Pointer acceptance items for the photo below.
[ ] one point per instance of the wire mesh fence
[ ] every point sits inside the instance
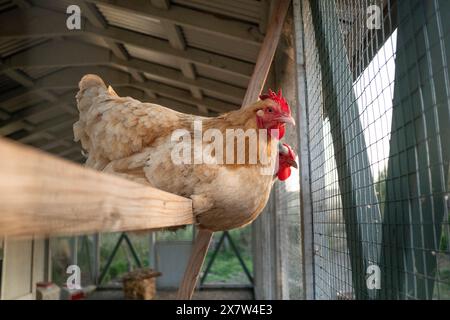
(378, 114)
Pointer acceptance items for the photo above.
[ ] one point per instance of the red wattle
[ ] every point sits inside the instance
(284, 173)
(281, 131)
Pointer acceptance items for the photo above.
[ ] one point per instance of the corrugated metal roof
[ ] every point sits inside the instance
(39, 72)
(246, 10)
(132, 21)
(224, 46)
(194, 37)
(166, 81)
(59, 5)
(6, 4)
(90, 39)
(45, 114)
(221, 76)
(12, 46)
(7, 83)
(152, 56)
(21, 102)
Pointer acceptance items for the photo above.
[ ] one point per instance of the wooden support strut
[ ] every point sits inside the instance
(254, 89)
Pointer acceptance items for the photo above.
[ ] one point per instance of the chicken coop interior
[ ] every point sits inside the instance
(364, 217)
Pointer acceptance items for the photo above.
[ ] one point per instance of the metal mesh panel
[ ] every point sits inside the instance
(286, 195)
(289, 231)
(378, 105)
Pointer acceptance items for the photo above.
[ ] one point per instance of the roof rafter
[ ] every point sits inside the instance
(46, 23)
(68, 54)
(96, 19)
(68, 79)
(177, 41)
(37, 109)
(205, 22)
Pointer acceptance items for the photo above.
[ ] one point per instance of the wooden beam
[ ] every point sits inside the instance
(194, 266)
(50, 24)
(45, 196)
(23, 4)
(68, 54)
(254, 89)
(68, 79)
(140, 94)
(177, 41)
(96, 19)
(240, 32)
(39, 108)
(19, 77)
(28, 82)
(267, 52)
(264, 15)
(306, 202)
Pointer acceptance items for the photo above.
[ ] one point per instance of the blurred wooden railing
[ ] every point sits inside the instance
(41, 195)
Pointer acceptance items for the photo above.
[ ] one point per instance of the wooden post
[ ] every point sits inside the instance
(307, 234)
(195, 264)
(254, 89)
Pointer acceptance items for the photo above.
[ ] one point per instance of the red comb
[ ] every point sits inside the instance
(277, 98)
(291, 152)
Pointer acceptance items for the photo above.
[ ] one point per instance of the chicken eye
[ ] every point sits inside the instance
(269, 110)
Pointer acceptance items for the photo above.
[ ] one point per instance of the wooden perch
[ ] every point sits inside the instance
(195, 264)
(254, 89)
(41, 195)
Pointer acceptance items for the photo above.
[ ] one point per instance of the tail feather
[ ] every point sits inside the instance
(91, 87)
(91, 80)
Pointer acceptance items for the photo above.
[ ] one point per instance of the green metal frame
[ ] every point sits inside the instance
(123, 237)
(226, 235)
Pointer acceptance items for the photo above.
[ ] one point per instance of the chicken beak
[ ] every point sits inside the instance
(292, 163)
(286, 119)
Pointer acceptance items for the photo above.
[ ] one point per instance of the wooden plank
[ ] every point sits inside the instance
(266, 53)
(307, 234)
(17, 269)
(254, 89)
(195, 264)
(46, 196)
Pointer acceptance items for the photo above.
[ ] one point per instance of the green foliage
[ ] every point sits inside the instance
(380, 189)
(226, 267)
(184, 234)
(444, 241)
